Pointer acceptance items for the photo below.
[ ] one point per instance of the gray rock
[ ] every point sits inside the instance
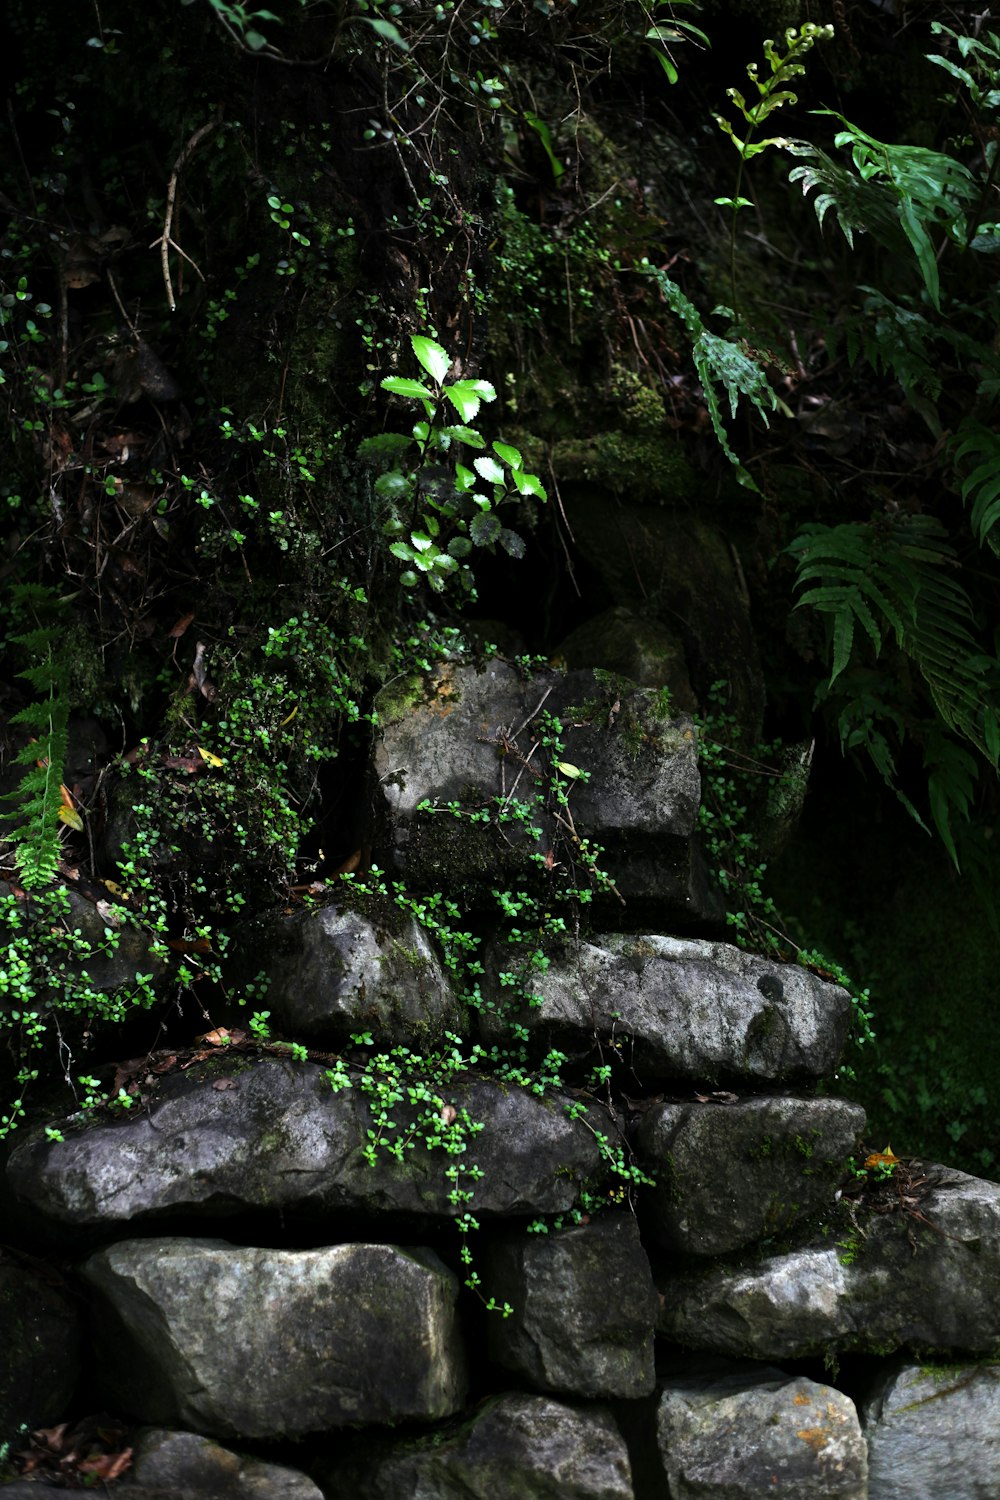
(681, 1008)
(728, 1175)
(895, 1281)
(744, 1433)
(39, 1346)
(584, 1308)
(934, 1431)
(333, 972)
(238, 1135)
(515, 1448)
(189, 1467)
(234, 1341)
(472, 738)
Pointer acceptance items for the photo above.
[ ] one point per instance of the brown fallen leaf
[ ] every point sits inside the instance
(182, 624)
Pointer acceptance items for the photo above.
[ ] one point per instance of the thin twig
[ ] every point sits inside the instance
(165, 242)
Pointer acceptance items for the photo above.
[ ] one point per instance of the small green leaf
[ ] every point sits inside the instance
(388, 30)
(431, 355)
(565, 769)
(460, 546)
(421, 541)
(529, 484)
(467, 435)
(392, 486)
(509, 455)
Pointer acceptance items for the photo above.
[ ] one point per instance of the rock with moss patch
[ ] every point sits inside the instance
(515, 1447)
(731, 1173)
(923, 1275)
(467, 789)
(933, 1430)
(237, 1135)
(644, 650)
(739, 1432)
(232, 1341)
(584, 1308)
(332, 972)
(669, 1007)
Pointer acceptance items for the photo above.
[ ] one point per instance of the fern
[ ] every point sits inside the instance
(719, 361)
(893, 188)
(36, 822)
(896, 577)
(981, 486)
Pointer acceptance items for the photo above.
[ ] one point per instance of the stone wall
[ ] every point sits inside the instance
(272, 1303)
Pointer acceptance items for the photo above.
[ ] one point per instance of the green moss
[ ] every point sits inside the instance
(645, 466)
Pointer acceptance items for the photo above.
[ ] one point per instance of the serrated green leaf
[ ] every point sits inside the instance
(431, 355)
(487, 468)
(399, 385)
(509, 455)
(467, 435)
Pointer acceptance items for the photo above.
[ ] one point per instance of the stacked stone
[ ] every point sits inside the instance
(646, 1355)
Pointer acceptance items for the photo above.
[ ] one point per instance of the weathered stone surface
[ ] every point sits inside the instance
(743, 1433)
(235, 1341)
(462, 736)
(39, 1347)
(894, 1283)
(646, 651)
(934, 1431)
(190, 1467)
(333, 972)
(729, 1174)
(688, 1009)
(269, 1134)
(584, 1308)
(515, 1448)
(690, 573)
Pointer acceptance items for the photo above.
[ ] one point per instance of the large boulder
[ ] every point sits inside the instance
(514, 1448)
(332, 972)
(236, 1135)
(924, 1275)
(729, 1174)
(584, 1308)
(461, 745)
(39, 1347)
(934, 1431)
(743, 1433)
(678, 1008)
(234, 1341)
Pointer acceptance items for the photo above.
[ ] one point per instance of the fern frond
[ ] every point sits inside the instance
(721, 362)
(980, 488)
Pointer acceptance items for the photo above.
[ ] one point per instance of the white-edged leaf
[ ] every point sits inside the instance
(400, 386)
(487, 468)
(433, 358)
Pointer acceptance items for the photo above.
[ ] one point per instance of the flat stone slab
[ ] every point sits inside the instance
(234, 1341)
(728, 1175)
(333, 972)
(238, 1134)
(584, 1308)
(515, 1447)
(744, 1433)
(934, 1430)
(470, 740)
(678, 1008)
(894, 1282)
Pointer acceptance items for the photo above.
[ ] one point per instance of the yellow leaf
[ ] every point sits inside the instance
(288, 719)
(573, 772)
(72, 817)
(209, 758)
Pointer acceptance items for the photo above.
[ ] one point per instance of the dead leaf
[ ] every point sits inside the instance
(220, 1037)
(191, 945)
(199, 674)
(180, 627)
(225, 1083)
(449, 1114)
(210, 759)
(350, 864)
(106, 1466)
